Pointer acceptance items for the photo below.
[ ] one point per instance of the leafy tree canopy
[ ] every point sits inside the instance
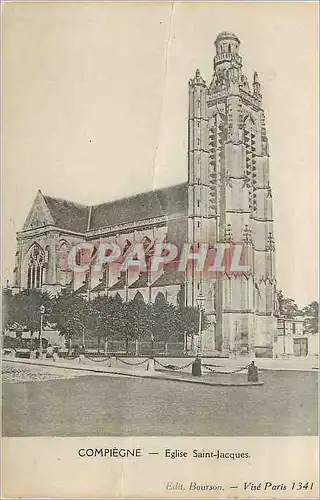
(311, 314)
(102, 317)
(287, 306)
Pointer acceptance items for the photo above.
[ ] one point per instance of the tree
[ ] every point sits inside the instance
(167, 322)
(287, 306)
(102, 317)
(72, 314)
(136, 322)
(311, 314)
(9, 314)
(24, 309)
(189, 321)
(105, 317)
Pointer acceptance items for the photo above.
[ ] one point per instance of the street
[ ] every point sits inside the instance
(105, 405)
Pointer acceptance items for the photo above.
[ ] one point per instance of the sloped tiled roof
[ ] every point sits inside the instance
(170, 200)
(170, 277)
(141, 282)
(67, 214)
(119, 285)
(99, 288)
(83, 289)
(75, 217)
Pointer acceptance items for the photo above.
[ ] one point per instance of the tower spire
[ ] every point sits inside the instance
(256, 86)
(229, 194)
(197, 80)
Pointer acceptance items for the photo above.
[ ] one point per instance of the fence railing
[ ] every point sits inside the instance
(143, 347)
(136, 348)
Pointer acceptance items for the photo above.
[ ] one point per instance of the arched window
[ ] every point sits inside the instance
(250, 125)
(83, 254)
(63, 256)
(229, 48)
(228, 293)
(210, 300)
(36, 264)
(243, 294)
(139, 297)
(63, 262)
(160, 298)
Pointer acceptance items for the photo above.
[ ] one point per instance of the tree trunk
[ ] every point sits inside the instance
(98, 343)
(106, 346)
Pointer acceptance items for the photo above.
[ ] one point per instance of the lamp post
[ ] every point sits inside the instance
(185, 343)
(42, 311)
(234, 342)
(200, 302)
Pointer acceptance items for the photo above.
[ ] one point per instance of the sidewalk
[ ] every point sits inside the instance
(297, 363)
(130, 372)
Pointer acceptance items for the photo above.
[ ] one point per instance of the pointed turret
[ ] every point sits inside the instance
(197, 80)
(256, 86)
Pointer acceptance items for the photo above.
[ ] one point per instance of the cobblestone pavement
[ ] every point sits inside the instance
(29, 373)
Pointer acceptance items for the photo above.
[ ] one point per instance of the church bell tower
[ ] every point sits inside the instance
(230, 200)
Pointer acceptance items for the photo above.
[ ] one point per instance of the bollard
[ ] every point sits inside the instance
(253, 373)
(151, 365)
(196, 367)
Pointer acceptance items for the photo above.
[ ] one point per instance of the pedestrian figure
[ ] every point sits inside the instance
(82, 351)
(252, 372)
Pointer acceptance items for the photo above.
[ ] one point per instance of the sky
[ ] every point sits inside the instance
(95, 106)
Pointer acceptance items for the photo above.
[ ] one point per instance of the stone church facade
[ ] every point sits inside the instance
(227, 198)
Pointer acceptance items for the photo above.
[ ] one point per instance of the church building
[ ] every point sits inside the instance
(227, 198)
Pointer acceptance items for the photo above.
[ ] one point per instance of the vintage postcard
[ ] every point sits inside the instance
(159, 258)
